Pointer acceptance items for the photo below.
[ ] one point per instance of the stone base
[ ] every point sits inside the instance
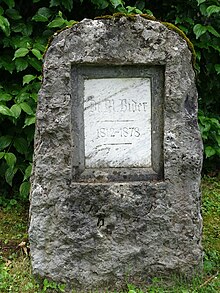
(104, 235)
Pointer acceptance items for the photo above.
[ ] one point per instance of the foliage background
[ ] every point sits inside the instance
(26, 26)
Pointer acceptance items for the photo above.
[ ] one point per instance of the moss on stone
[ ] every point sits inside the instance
(149, 17)
(116, 16)
(183, 35)
(104, 17)
(130, 16)
(119, 15)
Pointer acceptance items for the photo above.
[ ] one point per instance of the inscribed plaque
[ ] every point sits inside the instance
(117, 121)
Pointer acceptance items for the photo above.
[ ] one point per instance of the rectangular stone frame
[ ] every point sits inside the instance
(156, 74)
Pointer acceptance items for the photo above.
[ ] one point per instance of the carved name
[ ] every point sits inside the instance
(111, 105)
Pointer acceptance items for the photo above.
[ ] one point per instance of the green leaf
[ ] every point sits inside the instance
(26, 108)
(186, 19)
(202, 9)
(37, 54)
(199, 30)
(215, 122)
(29, 120)
(29, 133)
(22, 96)
(54, 3)
(6, 43)
(2, 154)
(71, 22)
(21, 145)
(39, 47)
(198, 55)
(25, 189)
(9, 175)
(121, 9)
(42, 14)
(13, 14)
(213, 9)
(21, 52)
(5, 25)
(10, 159)
(10, 3)
(1, 10)
(40, 18)
(21, 64)
(15, 110)
(5, 141)
(28, 78)
(28, 171)
(209, 151)
(21, 41)
(217, 68)
(101, 4)
(68, 4)
(213, 31)
(205, 121)
(116, 3)
(7, 63)
(18, 27)
(149, 12)
(200, 1)
(57, 22)
(24, 28)
(217, 138)
(131, 9)
(5, 97)
(215, 47)
(35, 63)
(28, 29)
(4, 110)
(218, 151)
(34, 96)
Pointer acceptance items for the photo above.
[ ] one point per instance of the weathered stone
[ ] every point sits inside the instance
(94, 224)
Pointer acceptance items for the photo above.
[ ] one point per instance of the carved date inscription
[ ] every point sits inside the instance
(117, 122)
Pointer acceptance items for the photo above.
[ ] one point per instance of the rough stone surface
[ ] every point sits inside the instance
(103, 234)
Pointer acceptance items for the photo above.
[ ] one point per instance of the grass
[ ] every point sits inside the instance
(15, 269)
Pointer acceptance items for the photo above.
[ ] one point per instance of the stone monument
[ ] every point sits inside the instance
(115, 187)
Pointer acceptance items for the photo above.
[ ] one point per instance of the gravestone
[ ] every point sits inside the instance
(115, 193)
